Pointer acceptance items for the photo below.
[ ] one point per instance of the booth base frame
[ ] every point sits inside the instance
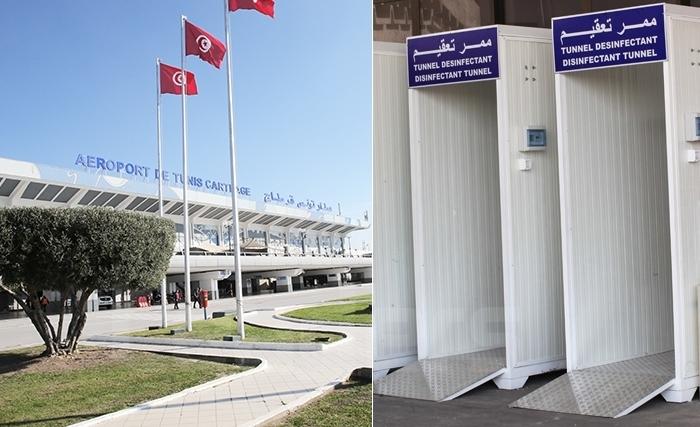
(443, 378)
(516, 377)
(610, 390)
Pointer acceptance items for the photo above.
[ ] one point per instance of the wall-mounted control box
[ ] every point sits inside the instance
(692, 127)
(534, 139)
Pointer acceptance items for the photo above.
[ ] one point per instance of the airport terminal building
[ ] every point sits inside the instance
(286, 244)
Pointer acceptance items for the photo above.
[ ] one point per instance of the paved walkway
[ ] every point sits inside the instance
(289, 379)
(20, 332)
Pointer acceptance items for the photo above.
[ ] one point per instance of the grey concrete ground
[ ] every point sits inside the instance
(487, 406)
(289, 379)
(20, 332)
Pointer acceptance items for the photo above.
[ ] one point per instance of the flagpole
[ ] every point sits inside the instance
(185, 184)
(234, 183)
(163, 284)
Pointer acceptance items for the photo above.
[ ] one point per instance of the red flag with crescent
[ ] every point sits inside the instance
(171, 81)
(200, 43)
(266, 7)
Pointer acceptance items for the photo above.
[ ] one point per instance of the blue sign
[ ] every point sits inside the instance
(121, 168)
(608, 39)
(134, 169)
(453, 57)
(307, 204)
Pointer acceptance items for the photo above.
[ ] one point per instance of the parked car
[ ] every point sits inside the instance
(106, 301)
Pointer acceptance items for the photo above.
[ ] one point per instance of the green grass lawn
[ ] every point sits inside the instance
(357, 298)
(356, 312)
(215, 329)
(350, 404)
(38, 391)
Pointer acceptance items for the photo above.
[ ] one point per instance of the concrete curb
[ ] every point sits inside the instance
(288, 409)
(315, 304)
(339, 342)
(165, 399)
(343, 340)
(263, 325)
(320, 322)
(234, 345)
(297, 404)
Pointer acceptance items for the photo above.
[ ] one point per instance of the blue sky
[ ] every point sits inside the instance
(79, 77)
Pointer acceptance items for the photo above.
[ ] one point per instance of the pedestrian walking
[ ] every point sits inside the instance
(44, 303)
(176, 297)
(195, 299)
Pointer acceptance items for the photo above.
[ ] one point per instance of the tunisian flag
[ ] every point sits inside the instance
(266, 7)
(200, 43)
(171, 80)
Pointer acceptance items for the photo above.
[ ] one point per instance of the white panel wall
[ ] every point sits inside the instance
(684, 97)
(616, 216)
(394, 324)
(456, 217)
(530, 206)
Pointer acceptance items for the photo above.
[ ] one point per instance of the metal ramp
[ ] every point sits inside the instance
(611, 390)
(443, 378)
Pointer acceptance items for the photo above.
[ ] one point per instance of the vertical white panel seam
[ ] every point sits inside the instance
(418, 237)
(565, 203)
(674, 210)
(506, 205)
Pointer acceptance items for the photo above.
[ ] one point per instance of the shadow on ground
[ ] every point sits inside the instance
(487, 406)
(14, 362)
(367, 310)
(69, 419)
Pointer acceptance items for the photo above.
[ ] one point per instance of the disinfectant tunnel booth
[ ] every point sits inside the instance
(628, 107)
(485, 205)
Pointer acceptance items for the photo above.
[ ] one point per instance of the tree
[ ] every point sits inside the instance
(77, 252)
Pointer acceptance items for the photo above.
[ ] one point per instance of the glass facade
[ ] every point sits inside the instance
(326, 245)
(337, 245)
(206, 234)
(311, 245)
(228, 239)
(295, 243)
(180, 237)
(278, 241)
(256, 238)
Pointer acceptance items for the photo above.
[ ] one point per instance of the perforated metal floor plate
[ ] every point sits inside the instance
(611, 390)
(443, 378)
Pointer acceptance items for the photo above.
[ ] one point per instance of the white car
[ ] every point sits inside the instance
(106, 301)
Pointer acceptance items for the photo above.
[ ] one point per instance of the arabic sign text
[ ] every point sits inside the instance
(612, 38)
(454, 57)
